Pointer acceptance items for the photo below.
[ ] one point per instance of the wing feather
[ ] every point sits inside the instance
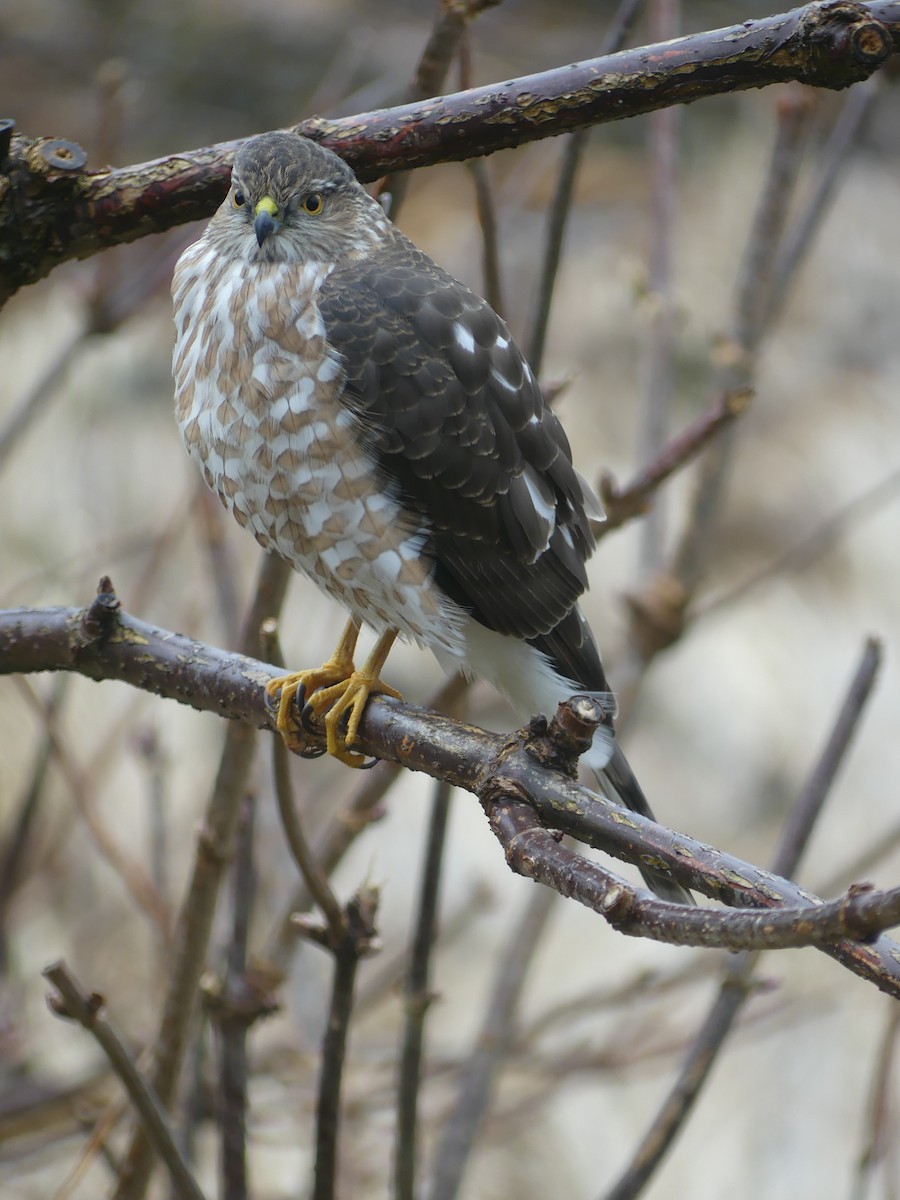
(456, 422)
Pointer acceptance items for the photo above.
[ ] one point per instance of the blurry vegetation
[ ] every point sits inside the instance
(102, 786)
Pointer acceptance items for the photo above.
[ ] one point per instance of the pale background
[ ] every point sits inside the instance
(731, 719)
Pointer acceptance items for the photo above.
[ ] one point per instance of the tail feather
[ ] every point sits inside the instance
(536, 676)
(617, 777)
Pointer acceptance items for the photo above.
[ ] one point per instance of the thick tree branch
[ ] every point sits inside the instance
(53, 209)
(528, 767)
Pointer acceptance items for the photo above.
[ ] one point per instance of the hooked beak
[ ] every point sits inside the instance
(266, 221)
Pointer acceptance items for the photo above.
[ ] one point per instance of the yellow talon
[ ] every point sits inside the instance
(333, 690)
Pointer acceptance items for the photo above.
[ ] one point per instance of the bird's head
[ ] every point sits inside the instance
(292, 200)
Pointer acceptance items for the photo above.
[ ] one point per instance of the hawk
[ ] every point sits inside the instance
(370, 419)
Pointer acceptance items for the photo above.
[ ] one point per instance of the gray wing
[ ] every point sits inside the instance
(456, 422)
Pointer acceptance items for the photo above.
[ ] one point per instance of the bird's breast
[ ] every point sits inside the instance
(258, 401)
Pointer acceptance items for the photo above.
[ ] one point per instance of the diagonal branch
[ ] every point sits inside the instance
(70, 212)
(529, 766)
(71, 1001)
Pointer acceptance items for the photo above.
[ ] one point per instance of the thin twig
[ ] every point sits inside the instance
(811, 546)
(357, 940)
(884, 844)
(88, 1010)
(43, 391)
(15, 848)
(845, 139)
(561, 205)
(806, 810)
(664, 125)
(490, 242)
(345, 827)
(104, 310)
(658, 614)
(451, 21)
(128, 868)
(417, 998)
(880, 1115)
(490, 1048)
(385, 979)
(753, 289)
(198, 1106)
(627, 503)
(233, 1022)
(484, 198)
(646, 986)
(314, 877)
(737, 985)
(214, 847)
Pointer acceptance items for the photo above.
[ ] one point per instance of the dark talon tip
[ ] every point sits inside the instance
(312, 752)
(307, 715)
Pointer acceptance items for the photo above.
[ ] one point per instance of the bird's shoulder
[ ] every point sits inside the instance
(438, 379)
(457, 423)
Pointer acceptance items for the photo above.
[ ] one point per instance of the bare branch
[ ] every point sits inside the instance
(491, 1047)
(88, 1010)
(102, 642)
(535, 853)
(737, 983)
(417, 997)
(805, 812)
(624, 504)
(313, 876)
(72, 213)
(358, 940)
(656, 414)
(214, 847)
(879, 1118)
(558, 217)
(451, 22)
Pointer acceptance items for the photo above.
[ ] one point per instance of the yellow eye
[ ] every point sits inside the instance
(238, 199)
(313, 203)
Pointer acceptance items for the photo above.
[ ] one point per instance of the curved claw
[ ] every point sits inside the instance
(348, 699)
(333, 692)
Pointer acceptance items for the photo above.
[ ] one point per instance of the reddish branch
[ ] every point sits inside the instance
(52, 208)
(526, 772)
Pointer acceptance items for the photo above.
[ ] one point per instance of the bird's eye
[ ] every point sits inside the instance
(313, 203)
(238, 199)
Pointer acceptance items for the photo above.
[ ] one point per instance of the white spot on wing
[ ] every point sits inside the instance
(541, 496)
(463, 338)
(502, 380)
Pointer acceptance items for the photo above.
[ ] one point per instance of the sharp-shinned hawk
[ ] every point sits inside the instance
(370, 419)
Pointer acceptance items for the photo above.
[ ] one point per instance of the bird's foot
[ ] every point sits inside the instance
(282, 691)
(347, 698)
(284, 688)
(333, 691)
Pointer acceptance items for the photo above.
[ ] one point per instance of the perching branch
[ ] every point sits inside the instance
(53, 209)
(529, 767)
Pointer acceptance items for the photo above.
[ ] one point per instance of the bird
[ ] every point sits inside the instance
(370, 419)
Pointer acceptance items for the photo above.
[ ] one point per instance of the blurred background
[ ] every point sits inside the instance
(803, 565)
